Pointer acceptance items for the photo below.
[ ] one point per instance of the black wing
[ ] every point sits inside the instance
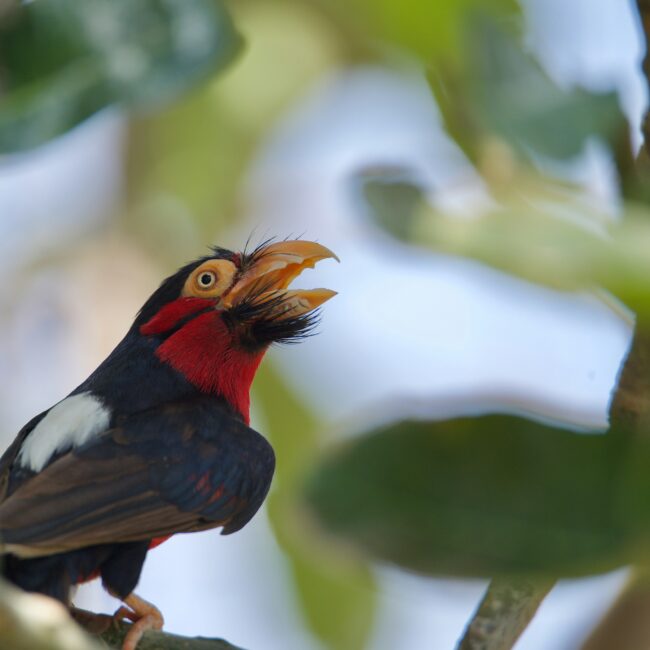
(9, 456)
(186, 466)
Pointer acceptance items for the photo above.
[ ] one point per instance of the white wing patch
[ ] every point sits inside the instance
(68, 424)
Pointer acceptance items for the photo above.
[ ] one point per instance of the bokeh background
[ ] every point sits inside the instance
(119, 168)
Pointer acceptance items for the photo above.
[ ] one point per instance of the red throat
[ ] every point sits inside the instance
(203, 350)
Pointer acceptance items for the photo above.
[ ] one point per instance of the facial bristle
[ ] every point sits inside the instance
(259, 251)
(264, 315)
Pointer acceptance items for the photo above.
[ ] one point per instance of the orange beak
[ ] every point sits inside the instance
(273, 269)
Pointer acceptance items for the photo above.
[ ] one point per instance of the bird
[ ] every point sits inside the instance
(157, 440)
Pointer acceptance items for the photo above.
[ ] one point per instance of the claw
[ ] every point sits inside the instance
(124, 613)
(144, 615)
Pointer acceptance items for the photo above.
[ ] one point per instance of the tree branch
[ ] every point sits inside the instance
(626, 626)
(113, 634)
(504, 613)
(630, 407)
(631, 402)
(644, 14)
(36, 622)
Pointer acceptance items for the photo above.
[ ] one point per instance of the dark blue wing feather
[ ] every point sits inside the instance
(187, 466)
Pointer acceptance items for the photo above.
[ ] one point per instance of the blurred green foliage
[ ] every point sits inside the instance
(434, 32)
(557, 252)
(62, 61)
(394, 198)
(502, 92)
(331, 587)
(492, 495)
(186, 162)
(502, 495)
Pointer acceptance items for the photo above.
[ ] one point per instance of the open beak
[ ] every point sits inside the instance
(273, 268)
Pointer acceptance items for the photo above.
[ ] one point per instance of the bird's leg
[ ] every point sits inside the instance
(144, 615)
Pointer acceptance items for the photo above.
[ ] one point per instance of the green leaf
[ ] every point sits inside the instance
(63, 60)
(528, 235)
(515, 99)
(501, 91)
(493, 495)
(394, 200)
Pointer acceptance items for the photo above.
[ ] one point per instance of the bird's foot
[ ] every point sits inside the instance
(144, 615)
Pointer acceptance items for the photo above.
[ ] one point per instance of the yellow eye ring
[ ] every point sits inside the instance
(210, 280)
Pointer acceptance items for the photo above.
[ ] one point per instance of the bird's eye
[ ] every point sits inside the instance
(210, 280)
(207, 279)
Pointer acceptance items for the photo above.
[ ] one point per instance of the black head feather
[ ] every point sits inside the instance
(258, 319)
(170, 288)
